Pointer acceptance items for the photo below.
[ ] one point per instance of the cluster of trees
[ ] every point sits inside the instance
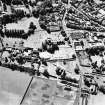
(66, 38)
(20, 33)
(49, 46)
(65, 1)
(62, 73)
(16, 34)
(31, 71)
(15, 67)
(45, 7)
(8, 2)
(95, 50)
(10, 18)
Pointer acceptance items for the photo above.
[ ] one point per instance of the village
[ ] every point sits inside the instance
(52, 52)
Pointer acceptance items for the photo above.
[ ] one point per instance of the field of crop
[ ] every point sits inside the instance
(47, 92)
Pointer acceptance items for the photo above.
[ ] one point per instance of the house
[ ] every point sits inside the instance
(18, 5)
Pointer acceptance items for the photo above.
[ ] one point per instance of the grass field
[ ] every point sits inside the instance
(12, 86)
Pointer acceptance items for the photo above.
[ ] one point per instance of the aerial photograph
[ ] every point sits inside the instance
(52, 52)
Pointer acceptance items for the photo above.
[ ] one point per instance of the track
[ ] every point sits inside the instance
(26, 90)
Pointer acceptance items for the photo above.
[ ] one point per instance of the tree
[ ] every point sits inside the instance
(90, 2)
(74, 56)
(65, 1)
(6, 59)
(0, 63)
(66, 38)
(82, 43)
(86, 81)
(20, 60)
(77, 70)
(35, 13)
(63, 33)
(42, 11)
(63, 75)
(48, 30)
(44, 62)
(46, 73)
(102, 89)
(8, 2)
(58, 71)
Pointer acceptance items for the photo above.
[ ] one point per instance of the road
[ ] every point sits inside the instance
(77, 99)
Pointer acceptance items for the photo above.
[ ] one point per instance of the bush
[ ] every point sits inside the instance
(48, 31)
